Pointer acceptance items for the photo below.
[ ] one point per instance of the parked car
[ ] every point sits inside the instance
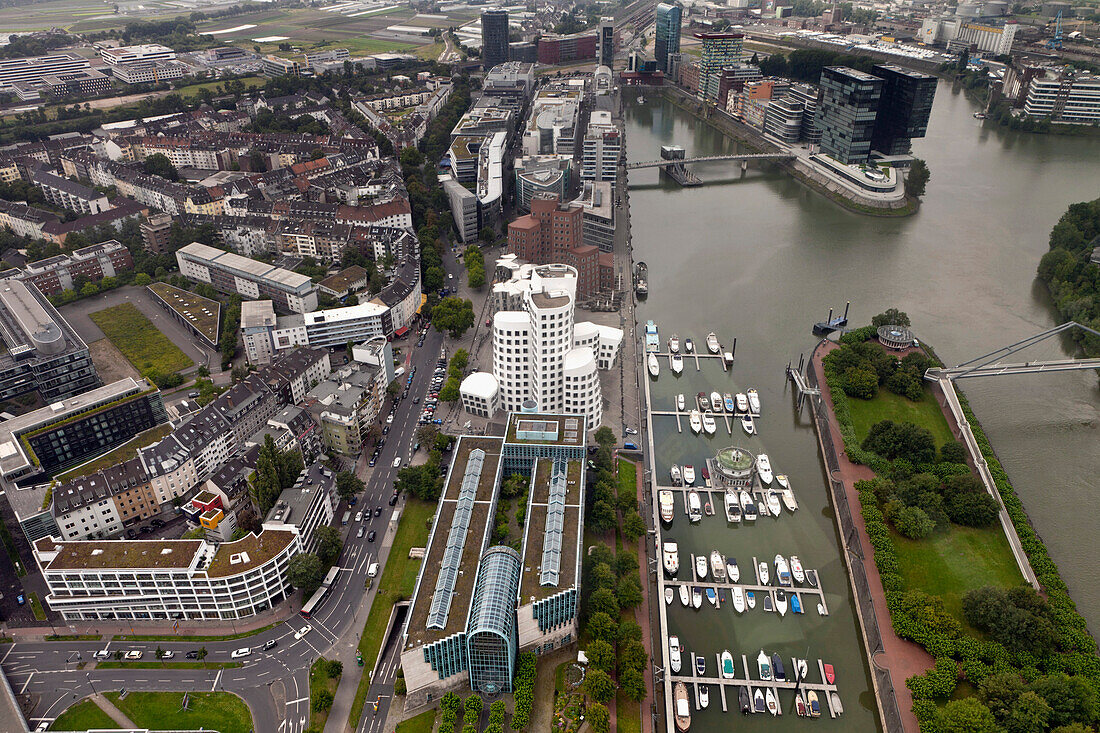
(244, 651)
(169, 654)
(393, 499)
(21, 599)
(385, 430)
(193, 654)
(102, 654)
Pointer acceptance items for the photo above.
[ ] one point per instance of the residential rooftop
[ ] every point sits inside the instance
(202, 313)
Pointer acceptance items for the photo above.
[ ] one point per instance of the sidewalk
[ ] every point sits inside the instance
(115, 714)
(642, 615)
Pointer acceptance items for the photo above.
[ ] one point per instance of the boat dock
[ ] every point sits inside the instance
(822, 687)
(757, 492)
(758, 587)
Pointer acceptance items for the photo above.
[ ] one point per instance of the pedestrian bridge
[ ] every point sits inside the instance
(709, 159)
(989, 365)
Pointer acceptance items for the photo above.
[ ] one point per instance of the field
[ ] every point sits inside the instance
(420, 724)
(318, 681)
(221, 711)
(889, 406)
(82, 716)
(192, 91)
(139, 340)
(124, 452)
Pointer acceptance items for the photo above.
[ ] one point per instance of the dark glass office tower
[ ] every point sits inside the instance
(494, 38)
(846, 113)
(903, 109)
(667, 38)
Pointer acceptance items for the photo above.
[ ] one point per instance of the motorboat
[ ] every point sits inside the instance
(754, 401)
(748, 425)
(778, 671)
(671, 556)
(704, 697)
(675, 474)
(800, 668)
(781, 602)
(764, 468)
(696, 598)
(680, 402)
(763, 664)
(782, 571)
(782, 480)
(787, 495)
(704, 402)
(773, 503)
(689, 346)
(705, 473)
(800, 706)
(695, 419)
(830, 675)
(796, 603)
(773, 705)
(763, 568)
(685, 596)
(758, 704)
(743, 700)
(838, 706)
(700, 567)
(762, 505)
(689, 475)
(796, 569)
(814, 705)
(669, 594)
(733, 508)
(674, 344)
(695, 506)
(652, 339)
(811, 578)
(750, 599)
(708, 423)
(769, 603)
(712, 597)
(712, 343)
(748, 507)
(738, 599)
(717, 566)
(667, 505)
(653, 365)
(708, 509)
(677, 363)
(727, 400)
(683, 708)
(701, 665)
(727, 665)
(716, 401)
(742, 402)
(674, 653)
(732, 571)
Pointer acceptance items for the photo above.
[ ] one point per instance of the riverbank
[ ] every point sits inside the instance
(799, 169)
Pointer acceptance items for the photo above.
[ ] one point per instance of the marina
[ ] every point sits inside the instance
(799, 688)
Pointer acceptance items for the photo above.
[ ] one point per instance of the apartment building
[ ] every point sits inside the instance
(58, 273)
(69, 194)
(554, 232)
(232, 273)
(307, 505)
(602, 148)
(257, 325)
(347, 404)
(136, 54)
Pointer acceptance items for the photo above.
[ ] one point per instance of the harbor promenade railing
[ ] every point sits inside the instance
(884, 686)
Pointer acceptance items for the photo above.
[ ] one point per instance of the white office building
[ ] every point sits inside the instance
(144, 53)
(539, 354)
(602, 148)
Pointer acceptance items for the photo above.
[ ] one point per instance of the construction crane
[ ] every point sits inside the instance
(1056, 40)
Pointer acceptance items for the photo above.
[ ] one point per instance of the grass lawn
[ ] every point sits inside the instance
(124, 452)
(220, 711)
(420, 724)
(251, 82)
(628, 714)
(82, 716)
(951, 563)
(398, 581)
(431, 51)
(889, 406)
(319, 681)
(628, 478)
(139, 340)
(36, 606)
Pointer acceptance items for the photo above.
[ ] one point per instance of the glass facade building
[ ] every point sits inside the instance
(846, 113)
(494, 38)
(903, 110)
(667, 37)
(491, 636)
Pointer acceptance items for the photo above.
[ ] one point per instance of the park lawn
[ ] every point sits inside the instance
(889, 406)
(250, 82)
(397, 582)
(422, 723)
(318, 681)
(948, 564)
(84, 716)
(124, 452)
(139, 340)
(628, 478)
(628, 714)
(220, 711)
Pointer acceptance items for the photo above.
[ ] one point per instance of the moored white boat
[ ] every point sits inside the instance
(738, 599)
(674, 344)
(669, 594)
(683, 708)
(763, 664)
(689, 475)
(773, 503)
(696, 598)
(715, 401)
(675, 475)
(695, 507)
(695, 419)
(733, 508)
(782, 480)
(742, 402)
(727, 665)
(712, 343)
(712, 597)
(717, 566)
(653, 365)
(704, 402)
(789, 501)
(750, 599)
(796, 569)
(800, 706)
(781, 602)
(758, 704)
(677, 363)
(685, 596)
(754, 401)
(708, 423)
(689, 346)
(727, 400)
(674, 658)
(764, 468)
(748, 507)
(704, 697)
(701, 567)
(732, 571)
(838, 706)
(782, 570)
(748, 425)
(680, 401)
(667, 505)
(670, 552)
(769, 698)
(763, 569)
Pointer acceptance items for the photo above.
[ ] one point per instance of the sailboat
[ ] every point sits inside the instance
(695, 419)
(653, 366)
(796, 569)
(733, 508)
(754, 401)
(763, 664)
(738, 599)
(677, 363)
(764, 468)
(709, 424)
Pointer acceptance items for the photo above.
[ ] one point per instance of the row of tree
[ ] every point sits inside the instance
(475, 266)
(1072, 279)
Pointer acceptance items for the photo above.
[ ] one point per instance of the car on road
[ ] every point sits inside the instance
(102, 654)
(416, 400)
(389, 419)
(378, 511)
(371, 536)
(133, 654)
(303, 631)
(193, 654)
(21, 599)
(397, 462)
(631, 431)
(270, 644)
(437, 421)
(385, 430)
(373, 460)
(169, 654)
(359, 516)
(360, 532)
(244, 651)
(393, 499)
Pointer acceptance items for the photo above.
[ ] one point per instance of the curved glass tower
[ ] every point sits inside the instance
(491, 637)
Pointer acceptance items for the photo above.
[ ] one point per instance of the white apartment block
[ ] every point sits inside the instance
(136, 54)
(167, 579)
(602, 149)
(1065, 98)
(148, 73)
(257, 323)
(540, 354)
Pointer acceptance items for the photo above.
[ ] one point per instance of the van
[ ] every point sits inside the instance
(399, 371)
(629, 446)
(397, 462)
(372, 570)
(347, 518)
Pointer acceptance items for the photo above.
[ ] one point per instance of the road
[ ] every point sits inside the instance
(274, 683)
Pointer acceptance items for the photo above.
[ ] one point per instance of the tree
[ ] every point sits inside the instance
(602, 518)
(598, 717)
(320, 700)
(304, 571)
(632, 682)
(1030, 714)
(158, 164)
(629, 591)
(913, 522)
(1071, 699)
(605, 437)
(604, 600)
(451, 390)
(601, 655)
(141, 280)
(329, 544)
(453, 315)
(629, 631)
(334, 668)
(274, 472)
(891, 317)
(598, 685)
(411, 157)
(967, 715)
(201, 655)
(953, 452)
(601, 626)
(1000, 692)
(487, 235)
(973, 510)
(348, 485)
(861, 383)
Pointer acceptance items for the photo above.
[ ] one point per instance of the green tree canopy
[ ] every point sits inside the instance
(304, 572)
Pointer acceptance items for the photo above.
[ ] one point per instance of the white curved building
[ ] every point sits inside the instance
(539, 353)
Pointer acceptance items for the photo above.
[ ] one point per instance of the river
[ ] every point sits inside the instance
(761, 257)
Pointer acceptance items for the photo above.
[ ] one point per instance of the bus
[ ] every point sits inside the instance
(319, 597)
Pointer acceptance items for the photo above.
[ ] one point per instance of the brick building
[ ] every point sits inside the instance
(554, 233)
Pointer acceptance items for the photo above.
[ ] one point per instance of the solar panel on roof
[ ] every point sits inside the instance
(555, 524)
(456, 541)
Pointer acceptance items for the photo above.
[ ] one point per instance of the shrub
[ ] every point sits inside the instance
(913, 522)
(953, 452)
(901, 440)
(861, 383)
(973, 510)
